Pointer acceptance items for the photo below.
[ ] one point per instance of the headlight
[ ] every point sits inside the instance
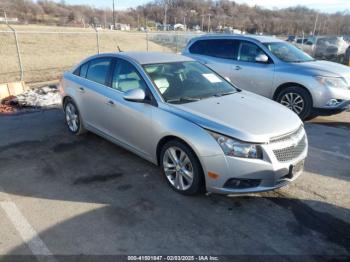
(338, 82)
(232, 147)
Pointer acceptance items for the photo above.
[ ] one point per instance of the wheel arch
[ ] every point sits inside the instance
(281, 87)
(166, 139)
(68, 97)
(65, 99)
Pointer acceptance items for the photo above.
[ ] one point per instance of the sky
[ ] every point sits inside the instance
(328, 6)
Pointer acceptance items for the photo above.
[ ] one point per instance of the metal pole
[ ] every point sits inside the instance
(97, 40)
(315, 24)
(113, 17)
(209, 23)
(17, 46)
(165, 18)
(138, 22)
(185, 25)
(202, 22)
(147, 40)
(176, 41)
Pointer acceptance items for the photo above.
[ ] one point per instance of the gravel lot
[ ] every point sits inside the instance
(67, 195)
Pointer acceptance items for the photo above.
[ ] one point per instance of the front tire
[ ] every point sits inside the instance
(181, 168)
(296, 99)
(72, 116)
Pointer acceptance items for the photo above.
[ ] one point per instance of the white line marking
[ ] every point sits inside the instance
(333, 153)
(27, 232)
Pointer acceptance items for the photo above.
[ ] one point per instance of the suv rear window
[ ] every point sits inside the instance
(221, 48)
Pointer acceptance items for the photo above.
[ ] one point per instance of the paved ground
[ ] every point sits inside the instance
(61, 194)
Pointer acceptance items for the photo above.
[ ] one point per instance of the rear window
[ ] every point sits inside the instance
(98, 70)
(83, 69)
(221, 48)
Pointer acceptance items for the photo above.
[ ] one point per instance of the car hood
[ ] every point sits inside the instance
(242, 115)
(326, 68)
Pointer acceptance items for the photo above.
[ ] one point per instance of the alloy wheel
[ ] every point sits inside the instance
(294, 102)
(72, 117)
(178, 168)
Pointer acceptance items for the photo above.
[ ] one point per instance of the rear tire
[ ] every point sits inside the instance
(73, 118)
(181, 168)
(297, 99)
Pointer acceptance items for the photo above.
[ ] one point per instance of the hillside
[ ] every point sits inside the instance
(192, 12)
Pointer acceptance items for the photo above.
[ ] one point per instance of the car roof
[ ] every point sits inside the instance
(259, 38)
(154, 57)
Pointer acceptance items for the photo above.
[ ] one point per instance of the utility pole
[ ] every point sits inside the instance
(185, 23)
(105, 18)
(113, 16)
(324, 26)
(202, 27)
(165, 14)
(138, 21)
(315, 25)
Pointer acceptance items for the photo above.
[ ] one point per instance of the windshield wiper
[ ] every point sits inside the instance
(302, 61)
(224, 93)
(183, 99)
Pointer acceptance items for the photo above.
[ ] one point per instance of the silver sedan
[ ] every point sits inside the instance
(204, 133)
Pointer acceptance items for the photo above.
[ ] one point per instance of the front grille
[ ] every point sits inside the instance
(291, 152)
(289, 146)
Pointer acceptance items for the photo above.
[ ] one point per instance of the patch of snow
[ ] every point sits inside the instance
(47, 96)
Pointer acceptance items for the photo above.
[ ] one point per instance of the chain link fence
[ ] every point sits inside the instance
(35, 56)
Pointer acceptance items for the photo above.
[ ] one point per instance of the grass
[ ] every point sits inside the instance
(47, 51)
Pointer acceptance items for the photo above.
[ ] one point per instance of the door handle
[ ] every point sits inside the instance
(238, 68)
(81, 89)
(110, 103)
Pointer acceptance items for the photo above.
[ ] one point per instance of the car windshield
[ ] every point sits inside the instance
(288, 53)
(184, 82)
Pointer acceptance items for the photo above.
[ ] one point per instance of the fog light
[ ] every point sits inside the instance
(333, 102)
(242, 183)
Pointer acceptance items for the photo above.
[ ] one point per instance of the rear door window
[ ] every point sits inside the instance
(98, 70)
(221, 48)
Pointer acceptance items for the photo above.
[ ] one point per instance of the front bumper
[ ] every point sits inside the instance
(327, 111)
(259, 174)
(321, 96)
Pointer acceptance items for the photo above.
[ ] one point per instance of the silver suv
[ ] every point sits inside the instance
(277, 70)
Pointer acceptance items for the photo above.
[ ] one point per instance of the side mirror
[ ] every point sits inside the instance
(135, 95)
(262, 58)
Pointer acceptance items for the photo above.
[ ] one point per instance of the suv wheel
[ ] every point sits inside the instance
(181, 168)
(296, 99)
